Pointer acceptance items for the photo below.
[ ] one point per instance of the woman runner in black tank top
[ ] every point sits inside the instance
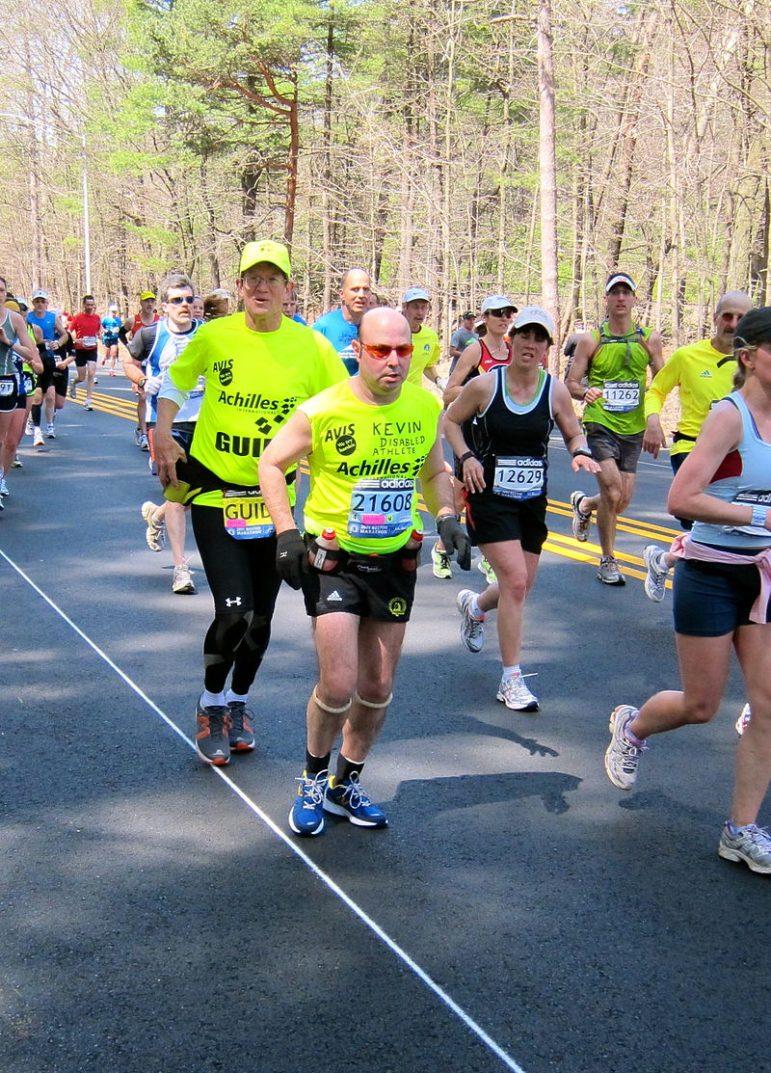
(510, 413)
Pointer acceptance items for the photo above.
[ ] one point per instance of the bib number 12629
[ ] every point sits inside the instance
(519, 477)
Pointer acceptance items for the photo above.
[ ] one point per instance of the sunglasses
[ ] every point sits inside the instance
(181, 299)
(507, 312)
(383, 351)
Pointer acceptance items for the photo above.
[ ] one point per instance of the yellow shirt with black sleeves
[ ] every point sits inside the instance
(704, 376)
(427, 352)
(363, 464)
(254, 383)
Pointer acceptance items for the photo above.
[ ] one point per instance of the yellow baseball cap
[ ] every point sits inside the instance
(145, 295)
(265, 250)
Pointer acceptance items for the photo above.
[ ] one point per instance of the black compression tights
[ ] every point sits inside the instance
(237, 641)
(243, 580)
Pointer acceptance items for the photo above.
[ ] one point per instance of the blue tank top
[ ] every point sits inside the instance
(744, 476)
(46, 323)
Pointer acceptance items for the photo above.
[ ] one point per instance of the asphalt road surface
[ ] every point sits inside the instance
(519, 912)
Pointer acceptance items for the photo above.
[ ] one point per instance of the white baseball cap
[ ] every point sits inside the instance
(497, 301)
(39, 294)
(533, 315)
(415, 294)
(620, 277)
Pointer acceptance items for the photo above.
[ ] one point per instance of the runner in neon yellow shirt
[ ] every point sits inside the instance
(367, 441)
(257, 366)
(704, 373)
(615, 361)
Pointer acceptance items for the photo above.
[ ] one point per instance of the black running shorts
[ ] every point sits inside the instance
(380, 587)
(491, 520)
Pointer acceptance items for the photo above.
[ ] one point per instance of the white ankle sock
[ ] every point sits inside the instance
(512, 671)
(236, 698)
(212, 700)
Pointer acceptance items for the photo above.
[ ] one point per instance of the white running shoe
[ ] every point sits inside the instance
(750, 845)
(581, 519)
(621, 757)
(144, 443)
(17, 463)
(88, 405)
(608, 572)
(182, 583)
(515, 695)
(472, 630)
(29, 428)
(656, 575)
(744, 720)
(38, 439)
(155, 534)
(50, 431)
(72, 391)
(3, 488)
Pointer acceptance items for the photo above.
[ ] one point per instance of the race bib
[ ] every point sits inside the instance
(245, 516)
(620, 396)
(381, 508)
(7, 386)
(89, 342)
(519, 477)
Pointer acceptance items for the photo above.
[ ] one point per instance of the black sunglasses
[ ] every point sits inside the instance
(182, 299)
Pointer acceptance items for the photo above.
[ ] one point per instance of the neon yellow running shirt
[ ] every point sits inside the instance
(363, 463)
(619, 367)
(427, 352)
(254, 383)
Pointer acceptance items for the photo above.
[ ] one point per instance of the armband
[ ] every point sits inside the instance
(759, 514)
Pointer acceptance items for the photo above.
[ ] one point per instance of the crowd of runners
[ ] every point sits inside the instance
(237, 397)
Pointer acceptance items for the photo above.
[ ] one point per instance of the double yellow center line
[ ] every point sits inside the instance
(557, 543)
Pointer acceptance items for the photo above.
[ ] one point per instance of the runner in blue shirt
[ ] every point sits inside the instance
(341, 326)
(111, 326)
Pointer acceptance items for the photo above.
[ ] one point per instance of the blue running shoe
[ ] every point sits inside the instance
(347, 799)
(307, 814)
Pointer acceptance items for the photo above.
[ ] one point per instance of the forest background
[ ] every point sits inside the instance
(411, 139)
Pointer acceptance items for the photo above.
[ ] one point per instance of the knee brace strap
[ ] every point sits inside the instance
(327, 707)
(371, 704)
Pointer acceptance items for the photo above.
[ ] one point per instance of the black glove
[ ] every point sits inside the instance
(455, 539)
(291, 557)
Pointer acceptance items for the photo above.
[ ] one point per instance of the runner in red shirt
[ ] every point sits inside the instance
(86, 329)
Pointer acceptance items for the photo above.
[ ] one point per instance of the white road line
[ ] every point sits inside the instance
(327, 880)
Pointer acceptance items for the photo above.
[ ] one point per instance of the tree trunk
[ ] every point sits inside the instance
(547, 160)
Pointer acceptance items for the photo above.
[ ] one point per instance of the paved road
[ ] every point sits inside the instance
(519, 912)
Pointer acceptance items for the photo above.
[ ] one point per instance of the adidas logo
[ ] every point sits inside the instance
(334, 597)
(707, 373)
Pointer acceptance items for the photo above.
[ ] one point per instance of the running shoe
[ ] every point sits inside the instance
(306, 816)
(38, 439)
(441, 564)
(581, 519)
(50, 431)
(144, 443)
(609, 573)
(621, 757)
(515, 695)
(73, 388)
(138, 436)
(656, 576)
(472, 630)
(88, 405)
(750, 844)
(155, 534)
(96, 379)
(29, 428)
(211, 739)
(182, 582)
(347, 798)
(241, 734)
(487, 571)
(3, 488)
(2, 505)
(744, 720)
(17, 463)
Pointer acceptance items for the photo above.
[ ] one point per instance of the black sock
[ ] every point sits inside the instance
(346, 768)
(35, 412)
(314, 765)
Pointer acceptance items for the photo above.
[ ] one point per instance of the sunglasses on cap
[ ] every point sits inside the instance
(383, 350)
